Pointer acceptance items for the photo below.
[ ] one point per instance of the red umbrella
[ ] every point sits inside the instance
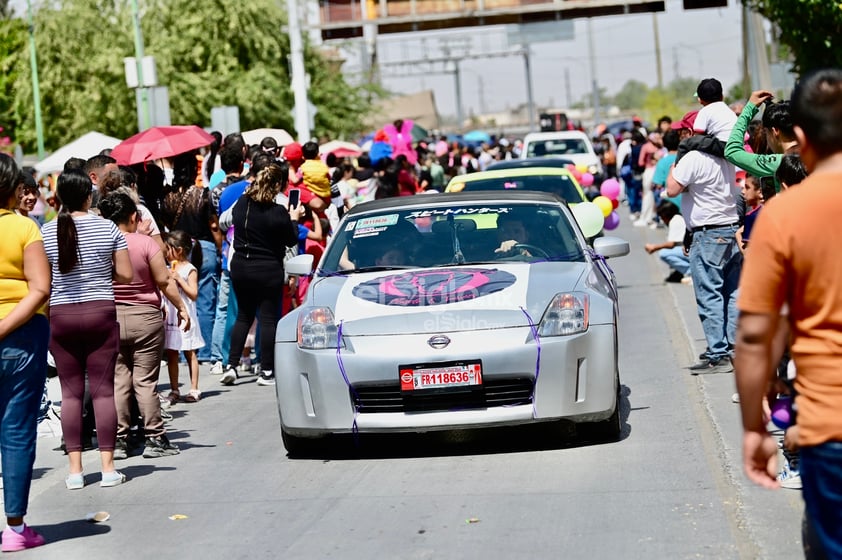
(160, 142)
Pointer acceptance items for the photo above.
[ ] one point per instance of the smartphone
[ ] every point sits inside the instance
(294, 198)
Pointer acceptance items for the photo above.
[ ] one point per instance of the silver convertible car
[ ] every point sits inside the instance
(442, 312)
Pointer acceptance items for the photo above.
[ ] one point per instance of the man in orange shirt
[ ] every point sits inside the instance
(794, 260)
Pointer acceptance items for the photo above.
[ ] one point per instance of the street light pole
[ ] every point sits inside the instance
(138, 53)
(36, 92)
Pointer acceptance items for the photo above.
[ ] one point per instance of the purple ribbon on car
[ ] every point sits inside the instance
(537, 338)
(354, 429)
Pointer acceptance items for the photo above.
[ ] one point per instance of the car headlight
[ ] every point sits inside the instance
(566, 314)
(317, 329)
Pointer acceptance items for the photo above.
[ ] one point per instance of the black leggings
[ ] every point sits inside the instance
(257, 293)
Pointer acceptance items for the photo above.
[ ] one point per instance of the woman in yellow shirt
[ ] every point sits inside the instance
(24, 333)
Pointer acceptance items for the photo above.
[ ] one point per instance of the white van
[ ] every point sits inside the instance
(568, 144)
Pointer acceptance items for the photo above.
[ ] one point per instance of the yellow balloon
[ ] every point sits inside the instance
(582, 168)
(604, 204)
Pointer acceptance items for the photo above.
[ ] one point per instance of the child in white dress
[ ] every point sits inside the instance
(186, 277)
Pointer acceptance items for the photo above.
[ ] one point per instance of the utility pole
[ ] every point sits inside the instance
(567, 87)
(530, 98)
(597, 117)
(143, 103)
(301, 112)
(457, 80)
(36, 92)
(658, 66)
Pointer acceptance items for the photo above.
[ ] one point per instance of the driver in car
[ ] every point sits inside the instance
(511, 232)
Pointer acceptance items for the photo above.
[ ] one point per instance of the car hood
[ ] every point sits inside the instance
(446, 299)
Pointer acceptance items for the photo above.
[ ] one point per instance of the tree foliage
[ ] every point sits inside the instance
(811, 29)
(221, 52)
(12, 45)
(631, 96)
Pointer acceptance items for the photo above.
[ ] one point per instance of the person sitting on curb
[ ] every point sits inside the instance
(672, 250)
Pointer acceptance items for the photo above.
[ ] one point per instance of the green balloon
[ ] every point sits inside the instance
(589, 217)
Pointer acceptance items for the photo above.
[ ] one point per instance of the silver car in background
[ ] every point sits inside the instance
(440, 312)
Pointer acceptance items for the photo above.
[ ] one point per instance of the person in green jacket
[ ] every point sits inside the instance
(779, 136)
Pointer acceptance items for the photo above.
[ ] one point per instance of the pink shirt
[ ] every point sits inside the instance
(143, 290)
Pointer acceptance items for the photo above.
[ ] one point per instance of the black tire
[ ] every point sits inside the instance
(300, 446)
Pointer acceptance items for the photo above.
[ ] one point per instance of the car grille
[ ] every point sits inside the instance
(377, 398)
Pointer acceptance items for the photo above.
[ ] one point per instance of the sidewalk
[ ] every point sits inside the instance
(772, 518)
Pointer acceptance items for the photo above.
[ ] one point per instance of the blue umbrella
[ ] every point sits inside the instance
(477, 136)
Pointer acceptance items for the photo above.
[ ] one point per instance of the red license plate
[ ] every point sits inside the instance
(440, 377)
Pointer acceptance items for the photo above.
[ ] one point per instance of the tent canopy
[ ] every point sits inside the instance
(86, 146)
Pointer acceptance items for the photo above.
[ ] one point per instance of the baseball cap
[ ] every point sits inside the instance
(686, 121)
(292, 152)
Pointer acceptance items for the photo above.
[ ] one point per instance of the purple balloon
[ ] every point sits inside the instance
(612, 220)
(610, 188)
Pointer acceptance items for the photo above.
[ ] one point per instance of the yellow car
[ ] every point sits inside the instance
(555, 180)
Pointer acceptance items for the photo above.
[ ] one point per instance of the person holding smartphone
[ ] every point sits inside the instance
(263, 230)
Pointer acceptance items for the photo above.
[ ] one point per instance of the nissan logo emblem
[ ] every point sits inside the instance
(438, 342)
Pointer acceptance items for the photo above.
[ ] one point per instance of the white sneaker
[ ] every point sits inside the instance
(230, 376)
(687, 280)
(789, 478)
(640, 223)
(735, 398)
(256, 369)
(217, 368)
(245, 366)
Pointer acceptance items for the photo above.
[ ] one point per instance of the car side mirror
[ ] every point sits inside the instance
(611, 247)
(301, 265)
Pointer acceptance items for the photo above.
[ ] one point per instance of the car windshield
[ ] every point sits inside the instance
(440, 235)
(560, 184)
(557, 147)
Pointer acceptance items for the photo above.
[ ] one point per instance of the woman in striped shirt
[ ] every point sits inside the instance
(85, 252)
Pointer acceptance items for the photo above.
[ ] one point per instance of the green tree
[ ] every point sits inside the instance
(12, 47)
(223, 52)
(809, 28)
(631, 96)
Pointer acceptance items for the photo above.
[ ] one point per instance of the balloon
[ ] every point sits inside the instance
(615, 203)
(587, 180)
(589, 217)
(604, 204)
(611, 221)
(570, 167)
(782, 412)
(577, 175)
(610, 188)
(582, 168)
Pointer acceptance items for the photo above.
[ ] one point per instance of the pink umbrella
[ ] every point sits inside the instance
(160, 142)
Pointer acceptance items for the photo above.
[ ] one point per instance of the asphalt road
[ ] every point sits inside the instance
(670, 489)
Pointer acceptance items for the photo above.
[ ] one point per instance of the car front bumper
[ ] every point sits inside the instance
(576, 380)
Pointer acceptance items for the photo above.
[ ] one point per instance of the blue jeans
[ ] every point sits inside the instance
(206, 302)
(715, 264)
(821, 476)
(23, 372)
(676, 259)
(220, 332)
(634, 192)
(230, 319)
